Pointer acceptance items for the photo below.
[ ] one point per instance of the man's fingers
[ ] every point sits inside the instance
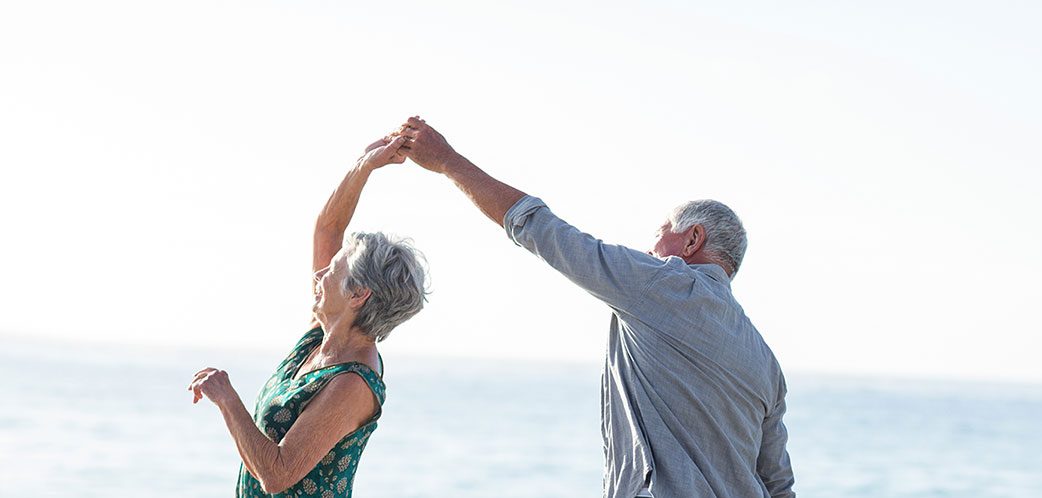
(401, 142)
(416, 122)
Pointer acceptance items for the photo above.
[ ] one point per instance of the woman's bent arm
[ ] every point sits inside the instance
(342, 406)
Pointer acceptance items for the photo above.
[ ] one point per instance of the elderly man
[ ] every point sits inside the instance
(692, 397)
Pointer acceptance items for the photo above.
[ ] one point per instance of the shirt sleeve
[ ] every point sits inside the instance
(773, 465)
(616, 275)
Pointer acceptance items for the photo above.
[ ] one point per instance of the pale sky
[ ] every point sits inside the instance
(162, 165)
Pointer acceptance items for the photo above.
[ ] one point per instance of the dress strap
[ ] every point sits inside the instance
(371, 378)
(300, 351)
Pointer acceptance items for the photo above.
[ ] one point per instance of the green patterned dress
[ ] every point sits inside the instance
(282, 400)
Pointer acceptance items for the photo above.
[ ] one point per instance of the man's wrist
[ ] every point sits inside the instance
(454, 165)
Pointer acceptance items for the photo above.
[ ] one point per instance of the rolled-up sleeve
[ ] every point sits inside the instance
(617, 275)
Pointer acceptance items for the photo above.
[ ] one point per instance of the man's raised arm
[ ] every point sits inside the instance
(614, 274)
(429, 149)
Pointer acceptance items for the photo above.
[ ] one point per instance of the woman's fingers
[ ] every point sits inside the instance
(196, 388)
(197, 383)
(196, 391)
(377, 144)
(392, 152)
(200, 374)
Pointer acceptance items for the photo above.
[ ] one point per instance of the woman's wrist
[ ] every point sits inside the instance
(364, 166)
(227, 399)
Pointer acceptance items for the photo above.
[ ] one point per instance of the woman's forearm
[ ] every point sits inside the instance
(259, 454)
(336, 215)
(340, 207)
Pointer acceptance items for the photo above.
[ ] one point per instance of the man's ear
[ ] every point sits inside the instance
(358, 297)
(694, 240)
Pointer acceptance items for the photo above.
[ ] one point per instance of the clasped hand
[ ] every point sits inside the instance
(414, 139)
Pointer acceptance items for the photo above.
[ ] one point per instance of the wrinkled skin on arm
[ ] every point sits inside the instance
(336, 215)
(342, 406)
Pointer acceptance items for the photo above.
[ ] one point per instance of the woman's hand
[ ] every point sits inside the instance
(387, 150)
(213, 384)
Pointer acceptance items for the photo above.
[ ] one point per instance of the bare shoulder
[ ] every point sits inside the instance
(346, 384)
(347, 392)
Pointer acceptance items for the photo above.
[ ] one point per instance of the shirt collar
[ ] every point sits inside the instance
(715, 272)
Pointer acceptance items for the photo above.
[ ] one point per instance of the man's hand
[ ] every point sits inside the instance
(426, 146)
(387, 150)
(429, 149)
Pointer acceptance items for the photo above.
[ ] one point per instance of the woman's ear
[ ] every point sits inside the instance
(694, 241)
(358, 297)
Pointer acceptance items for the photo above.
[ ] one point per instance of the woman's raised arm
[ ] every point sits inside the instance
(336, 215)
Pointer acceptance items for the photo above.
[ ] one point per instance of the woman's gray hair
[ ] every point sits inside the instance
(725, 236)
(394, 271)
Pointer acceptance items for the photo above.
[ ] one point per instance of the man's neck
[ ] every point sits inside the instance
(701, 259)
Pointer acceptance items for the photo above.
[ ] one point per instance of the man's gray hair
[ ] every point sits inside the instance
(394, 271)
(725, 237)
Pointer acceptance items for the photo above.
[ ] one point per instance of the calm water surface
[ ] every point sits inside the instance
(110, 422)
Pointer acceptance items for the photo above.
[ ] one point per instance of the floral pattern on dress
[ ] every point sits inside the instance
(280, 403)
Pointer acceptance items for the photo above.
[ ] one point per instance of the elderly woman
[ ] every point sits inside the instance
(311, 423)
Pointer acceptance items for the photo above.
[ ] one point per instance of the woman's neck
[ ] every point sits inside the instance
(342, 339)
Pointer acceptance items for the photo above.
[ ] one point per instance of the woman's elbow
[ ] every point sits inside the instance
(274, 486)
(275, 481)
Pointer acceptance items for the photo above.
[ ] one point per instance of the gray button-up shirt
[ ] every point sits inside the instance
(692, 397)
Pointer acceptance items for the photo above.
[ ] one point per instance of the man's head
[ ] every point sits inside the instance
(700, 232)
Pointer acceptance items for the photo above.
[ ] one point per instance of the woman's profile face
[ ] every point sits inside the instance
(329, 293)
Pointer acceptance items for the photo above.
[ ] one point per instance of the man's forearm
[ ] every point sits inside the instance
(491, 196)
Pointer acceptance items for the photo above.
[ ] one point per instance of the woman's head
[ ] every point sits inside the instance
(381, 279)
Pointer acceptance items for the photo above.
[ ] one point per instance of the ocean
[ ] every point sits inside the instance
(104, 421)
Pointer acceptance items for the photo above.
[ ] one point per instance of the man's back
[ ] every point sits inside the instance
(700, 384)
(692, 397)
